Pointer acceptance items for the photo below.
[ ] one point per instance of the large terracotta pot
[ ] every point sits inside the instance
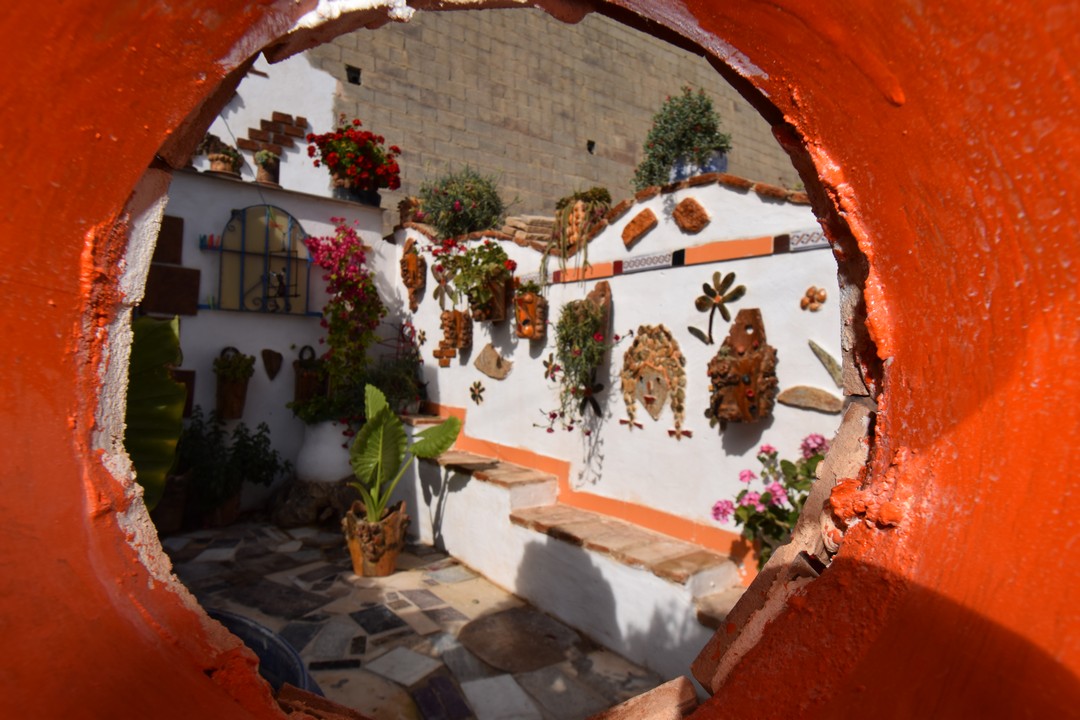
(374, 547)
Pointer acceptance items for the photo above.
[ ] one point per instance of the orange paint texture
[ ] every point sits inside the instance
(937, 138)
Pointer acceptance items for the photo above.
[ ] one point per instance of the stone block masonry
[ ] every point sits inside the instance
(518, 94)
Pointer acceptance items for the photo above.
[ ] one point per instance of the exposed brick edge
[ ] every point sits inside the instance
(281, 131)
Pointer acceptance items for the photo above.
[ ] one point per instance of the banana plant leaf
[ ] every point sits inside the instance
(155, 404)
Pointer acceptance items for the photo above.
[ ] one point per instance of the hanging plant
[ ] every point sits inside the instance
(715, 298)
(575, 218)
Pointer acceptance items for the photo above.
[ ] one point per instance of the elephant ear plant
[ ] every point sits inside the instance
(380, 455)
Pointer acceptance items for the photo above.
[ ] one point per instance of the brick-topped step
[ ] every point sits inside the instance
(493, 471)
(674, 560)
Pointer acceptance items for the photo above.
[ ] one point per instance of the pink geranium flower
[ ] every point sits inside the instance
(723, 510)
(747, 476)
(779, 494)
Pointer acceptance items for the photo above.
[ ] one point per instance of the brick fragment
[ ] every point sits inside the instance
(690, 216)
(637, 228)
(773, 191)
(280, 117)
(256, 134)
(647, 194)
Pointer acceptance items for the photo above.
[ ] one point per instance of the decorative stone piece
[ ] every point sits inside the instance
(653, 372)
(601, 296)
(830, 363)
(413, 273)
(492, 364)
(531, 312)
(690, 216)
(272, 362)
(638, 227)
(811, 398)
(743, 373)
(813, 299)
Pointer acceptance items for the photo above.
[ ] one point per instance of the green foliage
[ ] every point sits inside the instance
(477, 269)
(685, 126)
(461, 202)
(266, 157)
(220, 465)
(213, 145)
(381, 452)
(232, 364)
(580, 346)
(155, 404)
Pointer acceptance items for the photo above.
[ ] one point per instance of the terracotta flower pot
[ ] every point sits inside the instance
(222, 163)
(374, 547)
(231, 397)
(268, 173)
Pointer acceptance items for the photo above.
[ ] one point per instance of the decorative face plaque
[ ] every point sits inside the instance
(742, 374)
(653, 373)
(413, 273)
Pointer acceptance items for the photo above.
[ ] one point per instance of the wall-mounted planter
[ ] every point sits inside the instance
(233, 370)
(310, 381)
(494, 310)
(531, 311)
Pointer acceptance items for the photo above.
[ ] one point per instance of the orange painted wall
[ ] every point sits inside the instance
(943, 138)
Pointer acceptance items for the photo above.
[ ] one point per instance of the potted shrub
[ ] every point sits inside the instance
(531, 311)
(233, 370)
(224, 158)
(685, 138)
(460, 202)
(351, 316)
(267, 167)
(359, 162)
(218, 466)
(380, 455)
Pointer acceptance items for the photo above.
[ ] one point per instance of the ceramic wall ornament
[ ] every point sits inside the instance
(272, 360)
(492, 364)
(653, 373)
(311, 379)
(476, 392)
(813, 299)
(531, 312)
(413, 273)
(811, 398)
(742, 374)
(714, 299)
(457, 335)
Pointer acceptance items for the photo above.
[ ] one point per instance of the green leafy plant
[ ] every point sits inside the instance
(768, 516)
(381, 452)
(460, 202)
(357, 156)
(220, 464)
(211, 145)
(715, 298)
(264, 158)
(580, 348)
(232, 364)
(155, 404)
(686, 126)
(480, 270)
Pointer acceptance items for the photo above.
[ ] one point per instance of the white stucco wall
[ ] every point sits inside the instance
(646, 466)
(205, 202)
(293, 87)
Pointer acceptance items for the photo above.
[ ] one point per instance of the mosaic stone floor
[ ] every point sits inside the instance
(433, 641)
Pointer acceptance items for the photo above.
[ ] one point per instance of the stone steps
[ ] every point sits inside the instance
(711, 578)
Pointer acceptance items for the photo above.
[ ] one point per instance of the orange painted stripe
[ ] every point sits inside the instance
(714, 538)
(729, 250)
(592, 272)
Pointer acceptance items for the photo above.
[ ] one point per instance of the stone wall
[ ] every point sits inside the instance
(519, 95)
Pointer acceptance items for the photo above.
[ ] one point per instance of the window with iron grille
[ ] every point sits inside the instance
(263, 263)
